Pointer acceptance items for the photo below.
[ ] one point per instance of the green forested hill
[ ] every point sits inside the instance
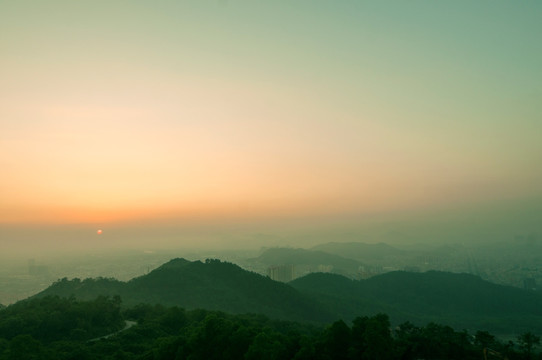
(461, 300)
(210, 285)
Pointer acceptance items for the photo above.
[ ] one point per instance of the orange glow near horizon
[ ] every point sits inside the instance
(185, 112)
(228, 207)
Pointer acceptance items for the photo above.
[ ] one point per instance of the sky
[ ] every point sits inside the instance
(237, 121)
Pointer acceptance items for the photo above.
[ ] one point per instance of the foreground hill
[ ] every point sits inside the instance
(212, 285)
(54, 328)
(461, 300)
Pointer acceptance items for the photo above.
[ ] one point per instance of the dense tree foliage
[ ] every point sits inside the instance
(64, 328)
(212, 284)
(459, 300)
(83, 319)
(54, 318)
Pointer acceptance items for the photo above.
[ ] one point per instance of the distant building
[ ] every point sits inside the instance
(325, 268)
(365, 272)
(283, 273)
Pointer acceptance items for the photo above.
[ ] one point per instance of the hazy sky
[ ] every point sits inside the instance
(168, 112)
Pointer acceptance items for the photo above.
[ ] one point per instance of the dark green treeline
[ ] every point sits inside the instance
(65, 328)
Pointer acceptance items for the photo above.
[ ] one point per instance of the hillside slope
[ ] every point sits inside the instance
(461, 300)
(212, 285)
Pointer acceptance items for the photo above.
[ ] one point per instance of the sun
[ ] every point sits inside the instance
(99, 232)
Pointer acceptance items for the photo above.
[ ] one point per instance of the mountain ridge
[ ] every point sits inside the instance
(212, 285)
(461, 300)
(457, 299)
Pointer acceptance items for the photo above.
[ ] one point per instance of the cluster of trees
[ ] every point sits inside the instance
(53, 318)
(458, 300)
(64, 328)
(212, 285)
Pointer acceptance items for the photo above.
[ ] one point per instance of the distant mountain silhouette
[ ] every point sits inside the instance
(212, 285)
(461, 300)
(359, 251)
(314, 261)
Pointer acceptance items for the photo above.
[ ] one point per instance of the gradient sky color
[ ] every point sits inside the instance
(119, 111)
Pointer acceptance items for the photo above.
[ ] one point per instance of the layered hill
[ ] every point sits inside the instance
(360, 251)
(460, 300)
(212, 285)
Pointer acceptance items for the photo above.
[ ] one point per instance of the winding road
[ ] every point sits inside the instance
(128, 325)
